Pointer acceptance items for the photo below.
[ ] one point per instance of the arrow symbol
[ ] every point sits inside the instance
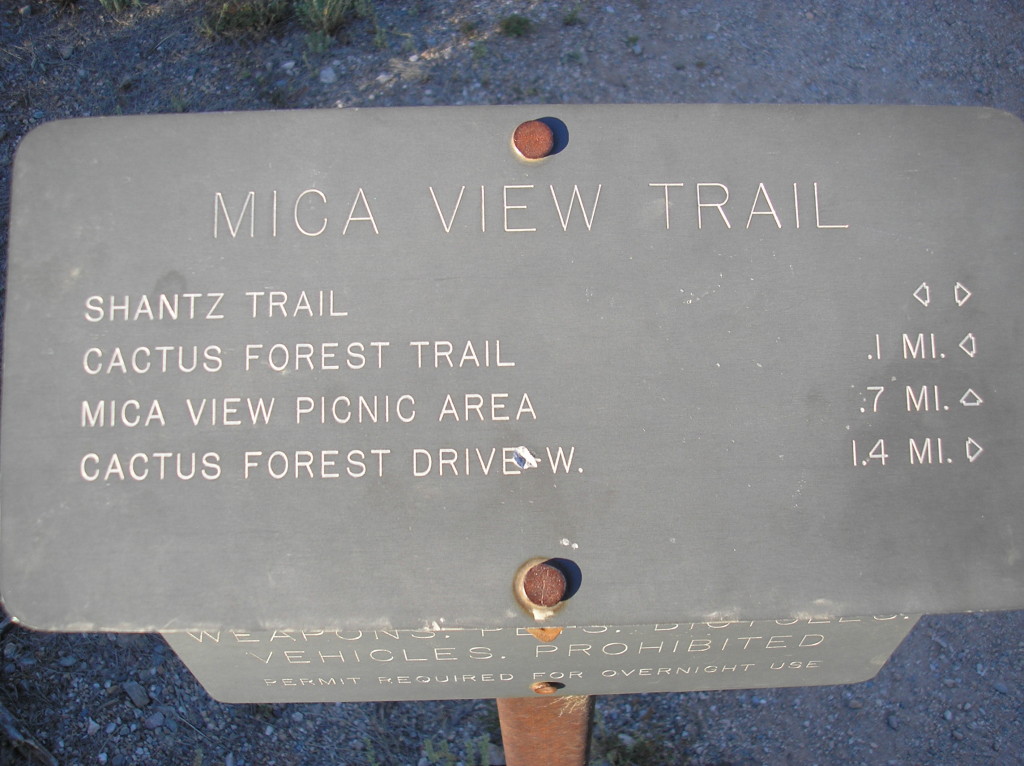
(974, 449)
(923, 294)
(969, 345)
(961, 294)
(971, 398)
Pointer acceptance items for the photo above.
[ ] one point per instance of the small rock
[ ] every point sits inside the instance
(139, 696)
(1000, 687)
(496, 756)
(626, 740)
(638, 49)
(958, 735)
(288, 66)
(328, 75)
(25, 10)
(297, 717)
(102, 757)
(893, 721)
(155, 721)
(230, 760)
(66, 51)
(855, 704)
(67, 662)
(111, 728)
(92, 727)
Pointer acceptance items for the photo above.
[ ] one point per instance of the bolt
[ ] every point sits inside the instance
(544, 585)
(545, 687)
(534, 140)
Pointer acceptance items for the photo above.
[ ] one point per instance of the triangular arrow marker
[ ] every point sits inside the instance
(969, 345)
(923, 294)
(974, 450)
(961, 294)
(971, 398)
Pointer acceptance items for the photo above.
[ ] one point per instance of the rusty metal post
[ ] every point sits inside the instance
(549, 730)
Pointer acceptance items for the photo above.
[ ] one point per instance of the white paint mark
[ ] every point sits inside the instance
(524, 458)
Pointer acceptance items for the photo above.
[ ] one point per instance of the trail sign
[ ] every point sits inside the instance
(353, 369)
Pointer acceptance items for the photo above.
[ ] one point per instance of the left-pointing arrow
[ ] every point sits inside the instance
(923, 294)
(969, 345)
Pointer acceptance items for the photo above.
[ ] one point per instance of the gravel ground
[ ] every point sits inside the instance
(952, 694)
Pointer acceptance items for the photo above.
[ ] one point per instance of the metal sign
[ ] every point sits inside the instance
(353, 368)
(351, 666)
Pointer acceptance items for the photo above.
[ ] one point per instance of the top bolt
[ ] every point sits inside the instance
(544, 585)
(534, 140)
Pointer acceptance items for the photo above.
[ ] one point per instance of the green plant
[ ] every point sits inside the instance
(319, 42)
(237, 18)
(371, 752)
(515, 25)
(478, 753)
(179, 102)
(480, 51)
(627, 751)
(572, 18)
(117, 6)
(329, 16)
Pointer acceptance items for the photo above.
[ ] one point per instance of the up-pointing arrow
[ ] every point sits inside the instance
(969, 345)
(971, 398)
(973, 449)
(961, 294)
(923, 294)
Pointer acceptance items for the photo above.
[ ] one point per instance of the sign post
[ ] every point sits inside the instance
(551, 730)
(593, 399)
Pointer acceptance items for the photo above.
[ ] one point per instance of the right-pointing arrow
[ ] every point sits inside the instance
(971, 398)
(969, 345)
(961, 294)
(973, 449)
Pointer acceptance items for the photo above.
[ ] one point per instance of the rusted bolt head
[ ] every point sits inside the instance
(534, 140)
(544, 585)
(545, 687)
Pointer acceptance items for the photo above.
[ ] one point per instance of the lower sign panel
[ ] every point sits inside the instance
(355, 666)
